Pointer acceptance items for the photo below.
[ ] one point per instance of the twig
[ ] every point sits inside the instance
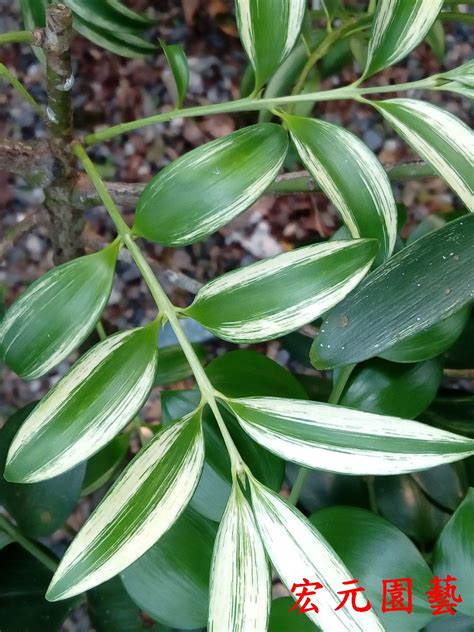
(32, 161)
(16, 233)
(20, 88)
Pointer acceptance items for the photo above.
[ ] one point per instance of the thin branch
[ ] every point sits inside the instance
(32, 161)
(20, 88)
(14, 234)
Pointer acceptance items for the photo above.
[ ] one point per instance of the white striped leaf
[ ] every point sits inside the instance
(344, 440)
(351, 176)
(399, 26)
(460, 80)
(206, 188)
(240, 578)
(440, 138)
(101, 393)
(56, 313)
(142, 505)
(268, 32)
(297, 551)
(270, 298)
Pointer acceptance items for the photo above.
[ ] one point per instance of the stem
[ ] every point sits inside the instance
(166, 308)
(372, 6)
(248, 105)
(17, 37)
(335, 396)
(20, 88)
(370, 480)
(456, 17)
(28, 545)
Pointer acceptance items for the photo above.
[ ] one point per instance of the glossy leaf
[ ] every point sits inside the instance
(206, 188)
(240, 577)
(398, 27)
(110, 608)
(22, 589)
(105, 16)
(357, 185)
(441, 139)
(297, 550)
(268, 35)
(246, 373)
(141, 506)
(178, 63)
(40, 508)
(387, 388)
(270, 298)
(454, 552)
(104, 464)
(101, 393)
(445, 485)
(461, 354)
(56, 313)
(374, 550)
(344, 440)
(418, 287)
(452, 412)
(176, 572)
(173, 366)
(120, 43)
(121, 8)
(431, 342)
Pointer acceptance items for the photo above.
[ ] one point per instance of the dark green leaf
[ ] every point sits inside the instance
(418, 287)
(454, 412)
(102, 466)
(178, 63)
(104, 16)
(111, 609)
(39, 508)
(171, 581)
(393, 389)
(282, 620)
(23, 607)
(436, 40)
(173, 366)
(206, 188)
(454, 552)
(461, 354)
(373, 550)
(124, 44)
(446, 485)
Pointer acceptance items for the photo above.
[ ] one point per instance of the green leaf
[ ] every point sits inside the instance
(102, 392)
(454, 413)
(173, 366)
(240, 577)
(344, 440)
(175, 572)
(104, 16)
(206, 188)
(23, 583)
(436, 40)
(178, 63)
(120, 43)
(110, 608)
(118, 6)
(431, 342)
(374, 550)
(418, 287)
(297, 550)
(104, 464)
(386, 388)
(33, 13)
(358, 186)
(454, 552)
(56, 313)
(461, 354)
(142, 505)
(270, 298)
(246, 373)
(40, 508)
(402, 501)
(441, 139)
(268, 36)
(449, 623)
(282, 620)
(445, 485)
(398, 27)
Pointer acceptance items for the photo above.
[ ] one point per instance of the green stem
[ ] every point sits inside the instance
(451, 16)
(28, 545)
(165, 307)
(20, 88)
(372, 6)
(248, 105)
(17, 37)
(335, 396)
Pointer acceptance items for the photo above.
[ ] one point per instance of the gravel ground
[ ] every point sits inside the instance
(110, 90)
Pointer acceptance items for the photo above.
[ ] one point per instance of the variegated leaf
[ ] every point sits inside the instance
(102, 392)
(351, 176)
(240, 578)
(399, 26)
(268, 32)
(142, 505)
(56, 313)
(298, 551)
(206, 188)
(344, 440)
(440, 138)
(275, 296)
